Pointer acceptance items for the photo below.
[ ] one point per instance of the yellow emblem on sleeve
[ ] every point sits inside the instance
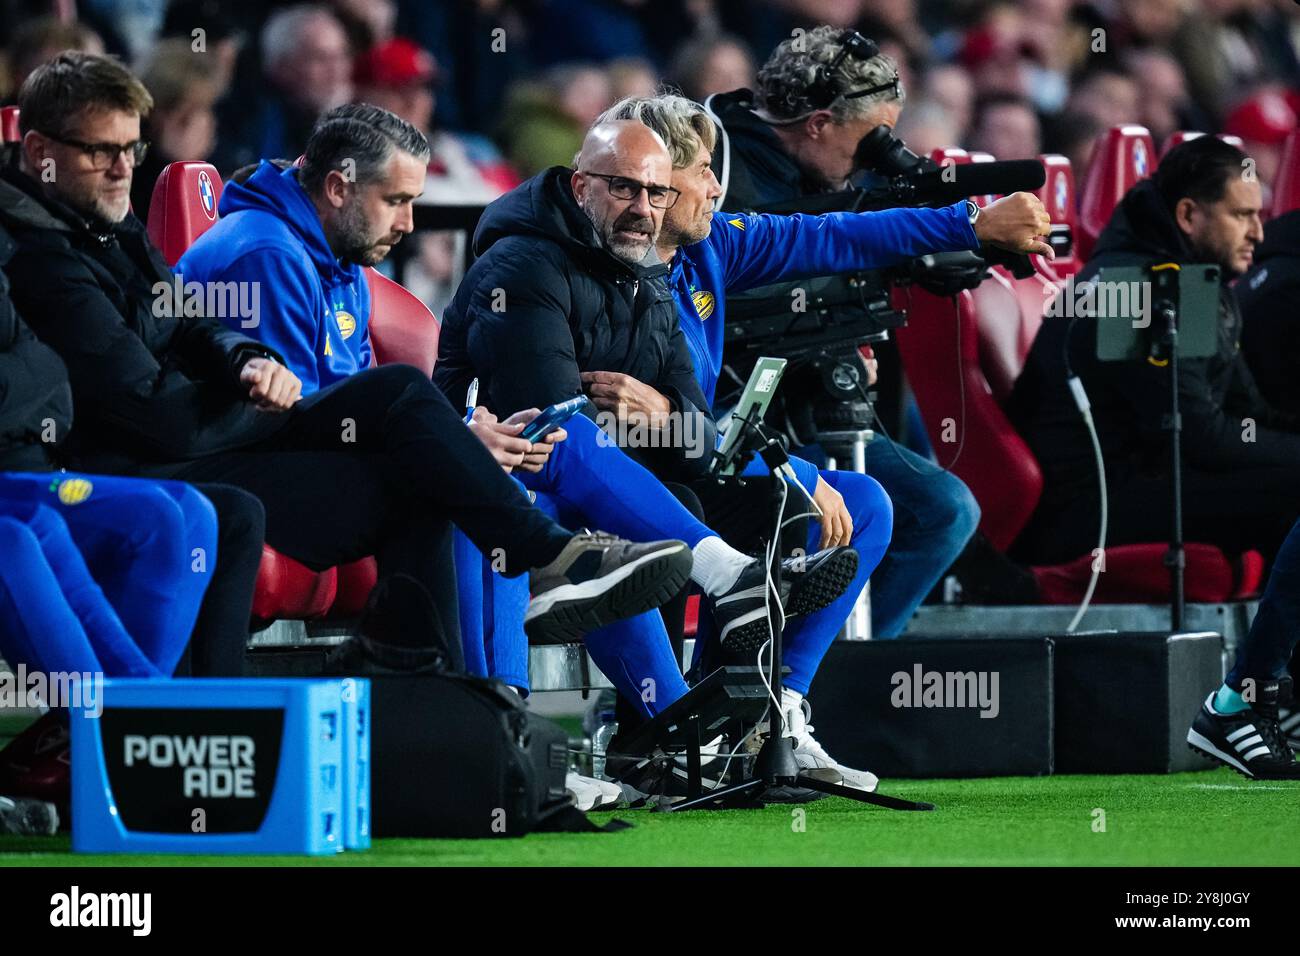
(703, 302)
(75, 490)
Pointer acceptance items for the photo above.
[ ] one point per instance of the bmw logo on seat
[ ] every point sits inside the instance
(207, 195)
(1140, 158)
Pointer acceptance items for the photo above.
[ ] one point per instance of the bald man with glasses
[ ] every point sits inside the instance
(568, 298)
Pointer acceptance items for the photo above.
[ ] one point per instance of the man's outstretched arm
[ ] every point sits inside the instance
(762, 249)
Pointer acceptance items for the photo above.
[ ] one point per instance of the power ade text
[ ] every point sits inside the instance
(215, 766)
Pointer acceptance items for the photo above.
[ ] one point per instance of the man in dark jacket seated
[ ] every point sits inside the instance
(1241, 456)
(377, 465)
(303, 235)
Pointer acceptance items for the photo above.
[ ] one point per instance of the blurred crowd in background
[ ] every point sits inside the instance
(506, 88)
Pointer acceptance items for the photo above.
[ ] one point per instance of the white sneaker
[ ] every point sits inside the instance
(708, 753)
(589, 793)
(810, 755)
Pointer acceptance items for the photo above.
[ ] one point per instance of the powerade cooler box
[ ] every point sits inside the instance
(222, 766)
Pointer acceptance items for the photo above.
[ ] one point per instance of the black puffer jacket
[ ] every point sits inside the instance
(1130, 399)
(35, 398)
(546, 300)
(1270, 310)
(146, 385)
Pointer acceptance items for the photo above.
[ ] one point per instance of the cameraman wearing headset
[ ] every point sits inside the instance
(819, 94)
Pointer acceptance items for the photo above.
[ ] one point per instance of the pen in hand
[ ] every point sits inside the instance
(471, 399)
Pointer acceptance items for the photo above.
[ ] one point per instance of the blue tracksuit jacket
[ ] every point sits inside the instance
(311, 309)
(744, 251)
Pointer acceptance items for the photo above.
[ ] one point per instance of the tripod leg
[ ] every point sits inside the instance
(714, 796)
(862, 796)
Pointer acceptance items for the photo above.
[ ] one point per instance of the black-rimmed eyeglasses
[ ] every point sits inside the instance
(104, 155)
(620, 187)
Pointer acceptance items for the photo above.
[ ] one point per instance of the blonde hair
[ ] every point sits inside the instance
(681, 123)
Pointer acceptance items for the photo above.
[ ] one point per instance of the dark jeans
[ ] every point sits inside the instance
(1272, 639)
(220, 637)
(380, 464)
(935, 515)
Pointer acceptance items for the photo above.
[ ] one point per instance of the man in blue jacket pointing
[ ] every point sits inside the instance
(712, 253)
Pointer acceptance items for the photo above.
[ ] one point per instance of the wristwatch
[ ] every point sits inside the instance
(972, 212)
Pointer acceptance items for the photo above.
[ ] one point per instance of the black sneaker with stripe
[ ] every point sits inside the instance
(808, 583)
(599, 579)
(1250, 742)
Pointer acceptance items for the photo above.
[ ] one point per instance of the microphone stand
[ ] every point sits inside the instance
(776, 764)
(1176, 556)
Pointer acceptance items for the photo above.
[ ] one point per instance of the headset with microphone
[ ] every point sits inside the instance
(826, 87)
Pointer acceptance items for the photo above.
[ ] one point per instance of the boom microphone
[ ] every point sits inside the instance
(951, 183)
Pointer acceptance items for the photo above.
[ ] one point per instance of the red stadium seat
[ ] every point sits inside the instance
(1008, 310)
(970, 433)
(289, 590)
(1057, 195)
(1124, 156)
(402, 330)
(9, 124)
(1135, 573)
(184, 207)
(1286, 191)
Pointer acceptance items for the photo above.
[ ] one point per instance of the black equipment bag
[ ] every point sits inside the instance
(459, 756)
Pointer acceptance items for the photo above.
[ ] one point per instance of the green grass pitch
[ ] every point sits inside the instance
(1189, 819)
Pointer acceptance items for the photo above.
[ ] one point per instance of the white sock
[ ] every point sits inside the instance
(790, 698)
(518, 692)
(717, 565)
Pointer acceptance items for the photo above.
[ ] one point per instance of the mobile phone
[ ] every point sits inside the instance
(552, 418)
